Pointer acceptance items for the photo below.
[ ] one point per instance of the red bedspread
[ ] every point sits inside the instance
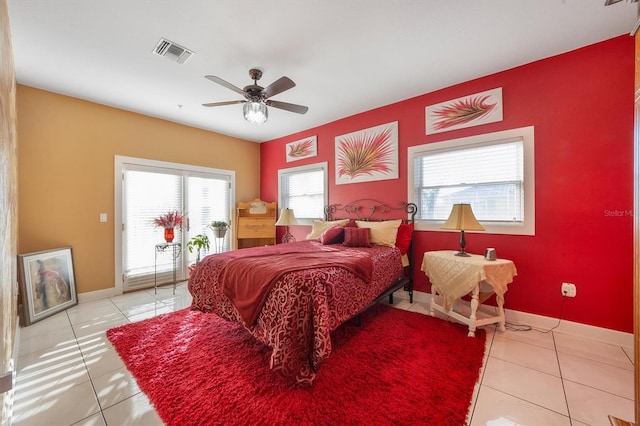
(303, 306)
(249, 275)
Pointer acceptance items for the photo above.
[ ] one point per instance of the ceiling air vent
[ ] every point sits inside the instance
(172, 51)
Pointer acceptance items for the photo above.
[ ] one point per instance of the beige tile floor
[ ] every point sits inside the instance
(69, 374)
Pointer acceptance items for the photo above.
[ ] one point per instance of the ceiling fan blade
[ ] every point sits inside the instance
(610, 2)
(278, 86)
(298, 109)
(212, 104)
(225, 84)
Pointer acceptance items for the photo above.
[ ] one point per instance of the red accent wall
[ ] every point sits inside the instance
(581, 105)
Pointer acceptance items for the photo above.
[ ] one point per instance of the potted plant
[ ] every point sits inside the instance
(169, 221)
(199, 242)
(219, 228)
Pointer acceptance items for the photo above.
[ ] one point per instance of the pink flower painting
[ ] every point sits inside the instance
(472, 110)
(303, 148)
(367, 155)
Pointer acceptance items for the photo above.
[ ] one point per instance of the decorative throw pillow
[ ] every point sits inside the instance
(382, 233)
(333, 235)
(319, 226)
(356, 237)
(403, 240)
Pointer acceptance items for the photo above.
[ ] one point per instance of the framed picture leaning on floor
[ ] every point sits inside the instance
(47, 283)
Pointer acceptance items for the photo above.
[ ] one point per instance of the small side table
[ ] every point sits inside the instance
(218, 243)
(454, 276)
(175, 249)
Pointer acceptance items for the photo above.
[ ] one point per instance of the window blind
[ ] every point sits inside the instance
(489, 177)
(148, 194)
(208, 201)
(304, 192)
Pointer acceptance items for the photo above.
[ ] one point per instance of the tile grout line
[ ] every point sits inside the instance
(529, 402)
(564, 389)
(485, 362)
(95, 394)
(88, 373)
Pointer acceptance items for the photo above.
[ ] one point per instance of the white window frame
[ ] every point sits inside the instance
(528, 226)
(119, 165)
(302, 169)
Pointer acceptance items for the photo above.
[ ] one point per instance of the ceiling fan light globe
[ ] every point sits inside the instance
(255, 112)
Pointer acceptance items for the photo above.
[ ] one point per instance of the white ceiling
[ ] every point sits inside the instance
(346, 56)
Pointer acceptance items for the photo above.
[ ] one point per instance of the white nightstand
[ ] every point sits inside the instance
(454, 276)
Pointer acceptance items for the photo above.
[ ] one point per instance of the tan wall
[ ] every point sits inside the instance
(8, 205)
(66, 150)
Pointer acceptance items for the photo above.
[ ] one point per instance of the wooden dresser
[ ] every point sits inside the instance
(256, 223)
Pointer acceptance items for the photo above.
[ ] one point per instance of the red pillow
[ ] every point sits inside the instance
(333, 235)
(403, 239)
(351, 223)
(356, 237)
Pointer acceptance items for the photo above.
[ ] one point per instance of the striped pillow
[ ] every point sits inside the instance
(356, 237)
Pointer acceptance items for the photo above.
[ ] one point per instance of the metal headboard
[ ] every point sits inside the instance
(369, 209)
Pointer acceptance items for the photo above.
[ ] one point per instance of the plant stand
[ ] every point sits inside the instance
(219, 235)
(174, 249)
(218, 244)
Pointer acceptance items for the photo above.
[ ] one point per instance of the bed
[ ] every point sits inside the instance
(292, 296)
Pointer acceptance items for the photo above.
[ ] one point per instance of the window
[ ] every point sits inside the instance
(146, 195)
(146, 189)
(304, 190)
(493, 172)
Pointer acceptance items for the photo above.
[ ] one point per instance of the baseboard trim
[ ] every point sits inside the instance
(540, 322)
(96, 295)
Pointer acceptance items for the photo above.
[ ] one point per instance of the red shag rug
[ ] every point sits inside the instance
(398, 368)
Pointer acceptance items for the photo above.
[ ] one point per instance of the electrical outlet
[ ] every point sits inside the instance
(568, 290)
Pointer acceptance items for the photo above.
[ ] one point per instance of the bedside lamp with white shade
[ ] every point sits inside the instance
(286, 219)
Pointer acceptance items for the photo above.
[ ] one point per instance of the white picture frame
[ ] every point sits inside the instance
(301, 149)
(367, 155)
(467, 111)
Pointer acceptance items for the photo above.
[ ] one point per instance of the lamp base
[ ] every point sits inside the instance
(463, 244)
(287, 237)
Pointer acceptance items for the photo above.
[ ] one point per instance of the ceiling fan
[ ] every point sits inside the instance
(637, 25)
(610, 2)
(256, 98)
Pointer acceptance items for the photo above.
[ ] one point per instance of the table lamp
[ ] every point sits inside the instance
(287, 219)
(462, 219)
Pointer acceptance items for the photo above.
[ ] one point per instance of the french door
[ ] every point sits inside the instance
(150, 188)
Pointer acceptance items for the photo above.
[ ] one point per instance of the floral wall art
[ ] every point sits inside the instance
(473, 110)
(367, 155)
(303, 148)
